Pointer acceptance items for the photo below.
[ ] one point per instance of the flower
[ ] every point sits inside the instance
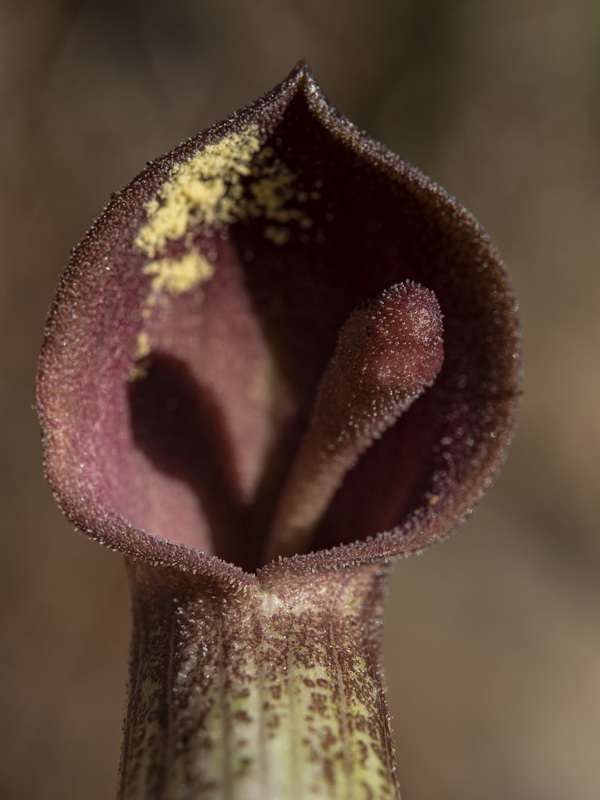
(280, 357)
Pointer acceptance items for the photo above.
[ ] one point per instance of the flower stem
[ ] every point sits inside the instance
(272, 692)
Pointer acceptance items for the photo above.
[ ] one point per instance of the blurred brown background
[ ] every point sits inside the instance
(492, 641)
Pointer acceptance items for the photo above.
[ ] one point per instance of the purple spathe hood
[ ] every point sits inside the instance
(195, 321)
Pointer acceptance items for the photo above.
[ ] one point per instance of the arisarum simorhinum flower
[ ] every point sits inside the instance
(280, 358)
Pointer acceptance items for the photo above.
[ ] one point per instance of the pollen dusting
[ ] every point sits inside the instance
(272, 190)
(238, 178)
(274, 195)
(139, 369)
(234, 179)
(143, 345)
(205, 188)
(176, 276)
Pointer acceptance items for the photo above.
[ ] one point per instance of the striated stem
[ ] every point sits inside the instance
(269, 692)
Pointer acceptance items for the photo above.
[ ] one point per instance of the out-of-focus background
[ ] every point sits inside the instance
(492, 640)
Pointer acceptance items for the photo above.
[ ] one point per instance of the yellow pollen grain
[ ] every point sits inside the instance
(139, 369)
(143, 345)
(176, 276)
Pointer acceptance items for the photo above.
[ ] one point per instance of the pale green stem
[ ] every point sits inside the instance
(273, 693)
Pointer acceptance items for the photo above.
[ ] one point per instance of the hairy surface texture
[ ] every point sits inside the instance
(195, 322)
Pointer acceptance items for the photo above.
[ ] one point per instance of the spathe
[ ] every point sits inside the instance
(217, 282)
